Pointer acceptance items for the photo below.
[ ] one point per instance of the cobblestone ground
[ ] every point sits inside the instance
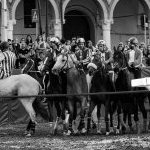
(12, 137)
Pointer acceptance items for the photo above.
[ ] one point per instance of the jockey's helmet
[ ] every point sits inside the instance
(133, 41)
(100, 42)
(80, 40)
(55, 40)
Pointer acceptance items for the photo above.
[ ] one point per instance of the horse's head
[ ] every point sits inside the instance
(63, 63)
(119, 61)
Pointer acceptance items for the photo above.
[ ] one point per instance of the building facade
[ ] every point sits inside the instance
(111, 20)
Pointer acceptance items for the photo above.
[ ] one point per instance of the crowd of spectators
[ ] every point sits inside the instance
(26, 48)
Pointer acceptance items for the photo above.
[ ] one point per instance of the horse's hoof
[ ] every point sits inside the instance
(99, 132)
(64, 133)
(107, 133)
(26, 132)
(54, 132)
(131, 130)
(28, 135)
(117, 131)
(111, 130)
(68, 133)
(83, 131)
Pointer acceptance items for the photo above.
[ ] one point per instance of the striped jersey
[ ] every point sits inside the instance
(8, 64)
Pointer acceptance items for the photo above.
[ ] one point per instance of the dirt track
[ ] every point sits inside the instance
(11, 137)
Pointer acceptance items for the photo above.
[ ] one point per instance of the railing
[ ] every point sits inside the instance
(83, 94)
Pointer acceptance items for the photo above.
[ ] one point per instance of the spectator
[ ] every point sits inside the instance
(9, 60)
(29, 40)
(90, 46)
(148, 55)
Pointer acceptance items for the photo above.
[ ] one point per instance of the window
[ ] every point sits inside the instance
(28, 6)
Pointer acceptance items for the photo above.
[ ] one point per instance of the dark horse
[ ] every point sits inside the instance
(76, 84)
(54, 84)
(128, 103)
(101, 82)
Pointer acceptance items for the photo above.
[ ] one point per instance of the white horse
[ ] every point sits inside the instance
(23, 85)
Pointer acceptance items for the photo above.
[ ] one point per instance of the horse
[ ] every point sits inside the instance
(128, 103)
(31, 68)
(100, 82)
(54, 84)
(25, 85)
(76, 84)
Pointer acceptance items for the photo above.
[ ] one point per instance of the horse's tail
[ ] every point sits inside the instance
(40, 106)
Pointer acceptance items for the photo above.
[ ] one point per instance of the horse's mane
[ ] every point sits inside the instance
(120, 57)
(100, 78)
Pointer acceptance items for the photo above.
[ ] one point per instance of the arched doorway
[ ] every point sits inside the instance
(127, 21)
(76, 25)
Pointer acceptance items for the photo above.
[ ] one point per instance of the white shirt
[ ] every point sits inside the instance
(131, 56)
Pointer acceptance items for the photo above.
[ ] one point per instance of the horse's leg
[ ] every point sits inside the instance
(136, 117)
(83, 111)
(27, 103)
(107, 117)
(130, 122)
(91, 108)
(111, 111)
(64, 115)
(58, 109)
(71, 111)
(98, 118)
(144, 113)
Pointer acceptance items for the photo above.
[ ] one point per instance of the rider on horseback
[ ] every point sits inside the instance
(106, 57)
(134, 58)
(83, 54)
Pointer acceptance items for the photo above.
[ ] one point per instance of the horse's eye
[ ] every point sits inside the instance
(63, 60)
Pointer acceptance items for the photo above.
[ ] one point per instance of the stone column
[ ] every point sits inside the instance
(107, 32)
(10, 29)
(149, 27)
(4, 16)
(57, 28)
(149, 31)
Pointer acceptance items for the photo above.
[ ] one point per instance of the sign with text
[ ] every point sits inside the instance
(34, 15)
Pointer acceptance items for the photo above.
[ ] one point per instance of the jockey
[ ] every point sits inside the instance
(134, 58)
(83, 54)
(49, 60)
(104, 54)
(106, 57)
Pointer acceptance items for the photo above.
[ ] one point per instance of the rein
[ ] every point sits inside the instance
(66, 63)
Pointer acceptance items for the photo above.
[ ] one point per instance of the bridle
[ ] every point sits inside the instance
(63, 69)
(122, 67)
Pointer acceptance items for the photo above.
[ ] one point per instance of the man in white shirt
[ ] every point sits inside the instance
(134, 58)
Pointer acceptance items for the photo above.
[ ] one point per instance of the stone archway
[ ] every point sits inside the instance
(56, 11)
(116, 2)
(102, 4)
(73, 20)
(86, 19)
(127, 21)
